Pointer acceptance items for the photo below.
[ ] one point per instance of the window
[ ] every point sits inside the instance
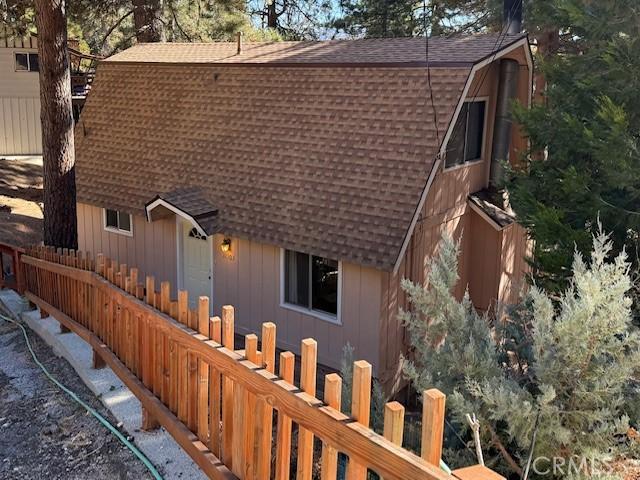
(465, 144)
(311, 283)
(194, 233)
(116, 221)
(27, 62)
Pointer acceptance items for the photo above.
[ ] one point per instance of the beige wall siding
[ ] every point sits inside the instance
(17, 84)
(20, 131)
(152, 248)
(415, 266)
(517, 248)
(249, 279)
(484, 254)
(445, 210)
(481, 266)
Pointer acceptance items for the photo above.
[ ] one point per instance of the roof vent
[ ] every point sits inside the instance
(239, 34)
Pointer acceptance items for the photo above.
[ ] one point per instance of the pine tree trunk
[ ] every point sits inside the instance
(57, 125)
(272, 16)
(147, 19)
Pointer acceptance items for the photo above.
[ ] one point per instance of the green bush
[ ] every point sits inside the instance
(572, 363)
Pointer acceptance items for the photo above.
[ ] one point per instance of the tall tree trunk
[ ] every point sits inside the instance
(147, 20)
(57, 125)
(272, 16)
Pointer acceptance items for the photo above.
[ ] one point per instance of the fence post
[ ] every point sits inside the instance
(18, 271)
(133, 282)
(264, 410)
(394, 422)
(227, 389)
(250, 412)
(360, 410)
(148, 421)
(165, 297)
(123, 276)
(283, 435)
(332, 397)
(65, 283)
(433, 402)
(203, 373)
(100, 264)
(96, 361)
(309, 353)
(215, 333)
(183, 307)
(150, 290)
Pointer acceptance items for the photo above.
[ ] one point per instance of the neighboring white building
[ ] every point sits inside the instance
(20, 131)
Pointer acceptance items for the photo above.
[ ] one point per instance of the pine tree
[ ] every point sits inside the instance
(58, 157)
(406, 18)
(588, 128)
(574, 367)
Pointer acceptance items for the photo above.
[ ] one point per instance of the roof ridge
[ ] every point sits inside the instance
(446, 51)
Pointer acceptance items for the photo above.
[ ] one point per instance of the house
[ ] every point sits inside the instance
(20, 129)
(301, 181)
(20, 132)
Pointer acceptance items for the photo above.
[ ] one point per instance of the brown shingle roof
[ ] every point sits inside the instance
(319, 159)
(447, 50)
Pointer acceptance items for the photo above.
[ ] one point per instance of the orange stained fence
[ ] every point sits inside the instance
(229, 409)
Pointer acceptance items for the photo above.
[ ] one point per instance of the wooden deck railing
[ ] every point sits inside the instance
(217, 402)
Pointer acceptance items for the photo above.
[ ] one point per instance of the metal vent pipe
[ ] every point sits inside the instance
(507, 92)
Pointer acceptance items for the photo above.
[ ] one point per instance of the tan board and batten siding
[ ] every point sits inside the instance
(20, 131)
(151, 248)
(483, 268)
(250, 281)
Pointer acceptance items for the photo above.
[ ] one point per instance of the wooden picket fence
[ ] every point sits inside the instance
(228, 408)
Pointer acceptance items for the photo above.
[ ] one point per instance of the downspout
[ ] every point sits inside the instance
(507, 92)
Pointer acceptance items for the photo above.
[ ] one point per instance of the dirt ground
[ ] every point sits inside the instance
(21, 200)
(43, 433)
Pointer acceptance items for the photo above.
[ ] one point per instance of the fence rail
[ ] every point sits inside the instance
(227, 408)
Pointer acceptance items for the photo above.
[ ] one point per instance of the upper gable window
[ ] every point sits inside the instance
(467, 139)
(27, 62)
(118, 222)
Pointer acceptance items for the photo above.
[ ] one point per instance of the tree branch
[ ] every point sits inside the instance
(110, 31)
(495, 440)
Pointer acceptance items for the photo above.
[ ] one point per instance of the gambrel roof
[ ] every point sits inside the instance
(321, 147)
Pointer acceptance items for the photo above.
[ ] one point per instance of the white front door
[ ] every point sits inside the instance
(196, 264)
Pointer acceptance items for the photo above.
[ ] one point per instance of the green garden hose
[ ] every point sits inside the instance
(152, 469)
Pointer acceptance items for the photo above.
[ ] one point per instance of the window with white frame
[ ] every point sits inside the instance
(117, 221)
(27, 62)
(466, 141)
(311, 282)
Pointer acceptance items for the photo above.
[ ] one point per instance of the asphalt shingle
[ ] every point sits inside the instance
(324, 159)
